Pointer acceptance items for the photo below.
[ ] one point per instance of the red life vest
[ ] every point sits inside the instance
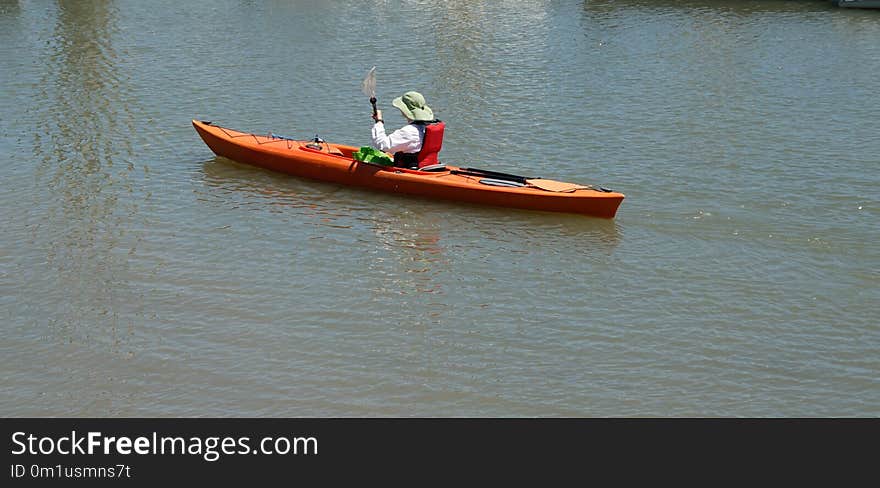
(431, 144)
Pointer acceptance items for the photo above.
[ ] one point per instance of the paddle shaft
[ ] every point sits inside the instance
(491, 174)
(517, 179)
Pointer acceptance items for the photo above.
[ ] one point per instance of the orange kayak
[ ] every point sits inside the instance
(320, 160)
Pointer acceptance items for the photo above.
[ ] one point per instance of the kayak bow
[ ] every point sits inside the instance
(321, 160)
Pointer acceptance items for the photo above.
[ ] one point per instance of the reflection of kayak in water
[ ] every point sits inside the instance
(333, 162)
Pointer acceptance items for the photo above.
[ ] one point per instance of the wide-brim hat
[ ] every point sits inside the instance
(412, 106)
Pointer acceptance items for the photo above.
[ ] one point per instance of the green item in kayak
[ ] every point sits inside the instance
(372, 155)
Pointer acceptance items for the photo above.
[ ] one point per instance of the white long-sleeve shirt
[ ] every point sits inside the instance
(407, 139)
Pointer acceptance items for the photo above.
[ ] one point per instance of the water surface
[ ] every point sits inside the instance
(140, 275)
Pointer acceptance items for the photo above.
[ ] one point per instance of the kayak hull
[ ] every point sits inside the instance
(333, 163)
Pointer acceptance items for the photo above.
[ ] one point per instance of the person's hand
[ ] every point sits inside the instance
(378, 116)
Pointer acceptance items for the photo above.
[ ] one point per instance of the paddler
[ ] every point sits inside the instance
(416, 144)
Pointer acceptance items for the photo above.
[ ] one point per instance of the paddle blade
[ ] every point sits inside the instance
(369, 83)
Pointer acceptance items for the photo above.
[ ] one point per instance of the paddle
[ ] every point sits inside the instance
(491, 174)
(542, 183)
(369, 88)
